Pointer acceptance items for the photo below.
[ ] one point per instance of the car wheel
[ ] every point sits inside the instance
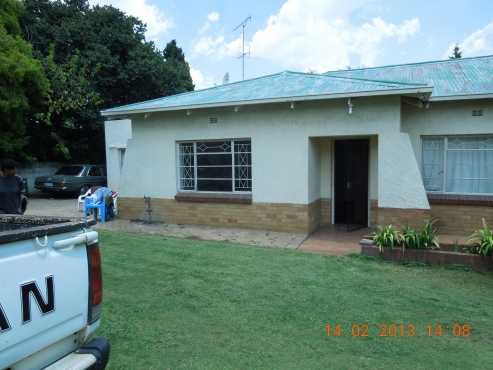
(84, 189)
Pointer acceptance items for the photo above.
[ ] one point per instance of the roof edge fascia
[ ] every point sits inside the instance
(403, 91)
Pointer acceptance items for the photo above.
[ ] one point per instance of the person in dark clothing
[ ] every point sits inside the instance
(10, 189)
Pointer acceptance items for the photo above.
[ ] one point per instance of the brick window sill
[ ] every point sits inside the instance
(204, 197)
(457, 199)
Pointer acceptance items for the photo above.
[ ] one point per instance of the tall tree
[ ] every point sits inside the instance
(178, 68)
(456, 52)
(61, 130)
(100, 53)
(22, 82)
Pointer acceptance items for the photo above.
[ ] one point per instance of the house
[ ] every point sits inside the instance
(293, 151)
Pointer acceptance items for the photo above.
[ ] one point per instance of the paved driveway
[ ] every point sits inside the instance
(329, 241)
(44, 205)
(67, 207)
(262, 238)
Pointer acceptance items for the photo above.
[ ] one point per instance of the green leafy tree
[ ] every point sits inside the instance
(71, 111)
(22, 82)
(456, 52)
(178, 69)
(99, 53)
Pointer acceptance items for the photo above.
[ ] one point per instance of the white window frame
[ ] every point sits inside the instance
(445, 139)
(233, 177)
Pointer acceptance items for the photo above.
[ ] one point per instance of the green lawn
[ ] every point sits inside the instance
(187, 304)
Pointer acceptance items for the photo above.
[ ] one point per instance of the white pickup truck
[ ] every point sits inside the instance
(50, 295)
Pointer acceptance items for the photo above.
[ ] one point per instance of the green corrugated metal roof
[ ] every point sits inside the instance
(281, 86)
(453, 77)
(448, 78)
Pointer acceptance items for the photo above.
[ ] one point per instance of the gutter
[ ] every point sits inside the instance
(462, 97)
(410, 90)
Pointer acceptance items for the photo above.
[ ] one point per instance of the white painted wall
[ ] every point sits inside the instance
(446, 118)
(399, 178)
(284, 158)
(326, 147)
(116, 133)
(314, 169)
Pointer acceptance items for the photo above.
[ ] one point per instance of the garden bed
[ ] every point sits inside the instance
(428, 256)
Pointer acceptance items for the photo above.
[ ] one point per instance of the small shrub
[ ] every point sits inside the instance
(428, 238)
(482, 241)
(386, 237)
(410, 238)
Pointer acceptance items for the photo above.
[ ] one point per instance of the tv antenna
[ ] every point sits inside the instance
(243, 54)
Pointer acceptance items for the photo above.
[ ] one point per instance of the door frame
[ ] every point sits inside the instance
(332, 175)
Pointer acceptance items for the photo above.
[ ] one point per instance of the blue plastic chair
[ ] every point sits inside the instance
(99, 206)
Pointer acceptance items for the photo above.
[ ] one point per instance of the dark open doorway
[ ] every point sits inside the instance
(351, 183)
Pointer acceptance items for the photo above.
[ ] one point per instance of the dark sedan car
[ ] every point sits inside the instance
(72, 179)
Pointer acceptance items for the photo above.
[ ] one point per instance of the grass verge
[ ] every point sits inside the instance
(188, 304)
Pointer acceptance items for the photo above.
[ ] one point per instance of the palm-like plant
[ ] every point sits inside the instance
(482, 240)
(410, 238)
(386, 237)
(428, 238)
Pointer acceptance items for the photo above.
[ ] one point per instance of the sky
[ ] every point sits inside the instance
(311, 35)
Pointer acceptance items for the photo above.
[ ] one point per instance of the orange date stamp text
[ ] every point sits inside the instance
(402, 330)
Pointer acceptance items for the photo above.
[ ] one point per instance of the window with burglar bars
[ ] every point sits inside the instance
(217, 166)
(458, 164)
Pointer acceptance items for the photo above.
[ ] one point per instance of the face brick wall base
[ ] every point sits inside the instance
(397, 217)
(302, 218)
(326, 212)
(461, 219)
(267, 216)
(452, 219)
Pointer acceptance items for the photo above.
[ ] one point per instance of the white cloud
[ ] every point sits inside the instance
(200, 81)
(316, 35)
(208, 45)
(477, 43)
(304, 36)
(197, 78)
(365, 40)
(213, 16)
(156, 20)
(217, 47)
